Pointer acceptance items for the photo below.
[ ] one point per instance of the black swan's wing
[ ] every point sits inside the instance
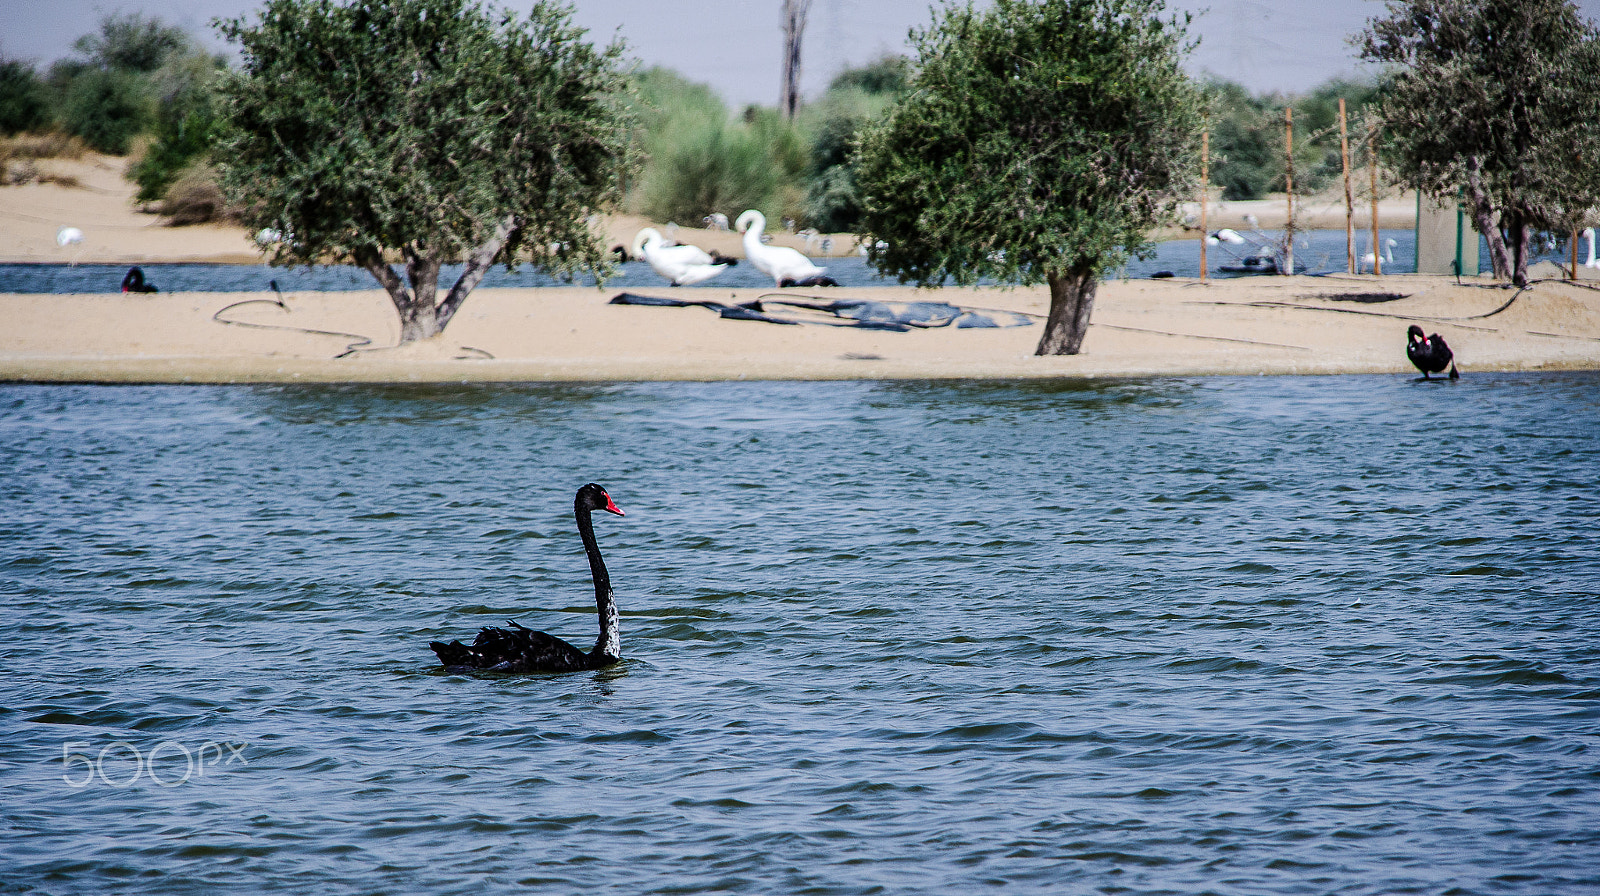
(517, 649)
(1441, 352)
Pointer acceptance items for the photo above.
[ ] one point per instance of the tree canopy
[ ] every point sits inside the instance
(1037, 142)
(1494, 99)
(431, 130)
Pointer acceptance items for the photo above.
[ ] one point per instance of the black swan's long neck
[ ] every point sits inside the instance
(609, 644)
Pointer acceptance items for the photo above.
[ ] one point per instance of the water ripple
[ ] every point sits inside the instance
(1163, 636)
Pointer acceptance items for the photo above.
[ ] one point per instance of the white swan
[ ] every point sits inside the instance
(682, 265)
(778, 262)
(1368, 260)
(66, 236)
(1588, 233)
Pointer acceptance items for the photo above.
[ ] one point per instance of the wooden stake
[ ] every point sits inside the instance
(1349, 196)
(1288, 188)
(1205, 190)
(1372, 163)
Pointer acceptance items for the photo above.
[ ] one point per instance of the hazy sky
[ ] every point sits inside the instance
(734, 45)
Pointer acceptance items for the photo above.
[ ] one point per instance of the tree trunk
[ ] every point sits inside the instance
(1518, 236)
(422, 315)
(1483, 217)
(478, 264)
(794, 27)
(1071, 301)
(417, 320)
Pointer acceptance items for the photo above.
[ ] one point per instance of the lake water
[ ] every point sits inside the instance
(1320, 250)
(1169, 636)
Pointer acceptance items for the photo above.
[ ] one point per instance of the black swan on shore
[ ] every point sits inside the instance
(133, 281)
(1429, 353)
(520, 649)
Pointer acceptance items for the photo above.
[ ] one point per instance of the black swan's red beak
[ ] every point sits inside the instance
(611, 507)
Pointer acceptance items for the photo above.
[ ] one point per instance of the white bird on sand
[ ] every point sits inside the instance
(715, 221)
(778, 262)
(682, 265)
(1369, 260)
(1588, 233)
(66, 236)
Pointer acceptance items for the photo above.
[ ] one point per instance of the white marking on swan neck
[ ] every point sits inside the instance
(609, 643)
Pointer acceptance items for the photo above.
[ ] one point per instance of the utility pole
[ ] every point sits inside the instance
(794, 28)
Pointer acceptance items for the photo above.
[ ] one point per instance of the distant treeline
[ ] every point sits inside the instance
(142, 88)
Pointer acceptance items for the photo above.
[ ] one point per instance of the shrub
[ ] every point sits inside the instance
(132, 43)
(24, 101)
(186, 123)
(195, 198)
(831, 204)
(107, 109)
(47, 145)
(1247, 136)
(886, 75)
(708, 164)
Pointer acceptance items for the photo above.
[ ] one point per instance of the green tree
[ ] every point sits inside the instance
(1493, 100)
(24, 102)
(107, 92)
(186, 121)
(107, 108)
(132, 43)
(701, 160)
(886, 75)
(1038, 142)
(855, 99)
(432, 130)
(1247, 136)
(1246, 141)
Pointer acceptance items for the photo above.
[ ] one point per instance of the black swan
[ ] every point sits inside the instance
(520, 649)
(133, 281)
(1429, 353)
(819, 280)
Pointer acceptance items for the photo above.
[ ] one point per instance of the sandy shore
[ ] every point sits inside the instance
(1288, 325)
(1265, 325)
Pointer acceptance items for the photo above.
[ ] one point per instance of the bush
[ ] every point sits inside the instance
(107, 109)
(18, 156)
(832, 205)
(709, 164)
(887, 75)
(48, 145)
(195, 198)
(24, 101)
(1247, 136)
(132, 43)
(186, 123)
(700, 160)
